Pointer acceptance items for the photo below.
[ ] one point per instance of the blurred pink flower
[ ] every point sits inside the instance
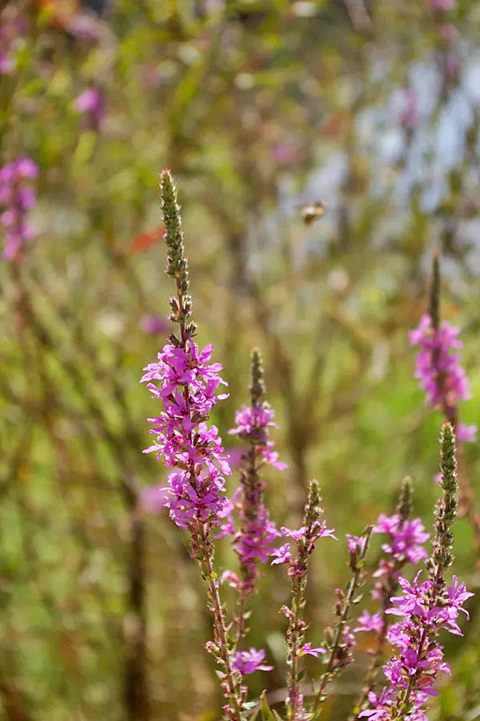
(86, 27)
(231, 578)
(452, 65)
(443, 5)
(370, 622)
(155, 324)
(283, 153)
(151, 76)
(409, 115)
(448, 32)
(356, 544)
(17, 198)
(12, 27)
(282, 555)
(437, 365)
(466, 433)
(153, 499)
(91, 104)
(6, 63)
(234, 456)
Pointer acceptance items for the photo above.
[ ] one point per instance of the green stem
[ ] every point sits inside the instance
(295, 634)
(231, 688)
(352, 588)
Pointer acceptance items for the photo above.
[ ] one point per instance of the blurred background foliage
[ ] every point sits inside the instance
(371, 107)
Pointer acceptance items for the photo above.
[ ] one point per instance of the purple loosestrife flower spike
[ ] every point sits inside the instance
(438, 368)
(17, 198)
(425, 608)
(405, 545)
(437, 365)
(186, 383)
(441, 375)
(340, 641)
(254, 539)
(306, 537)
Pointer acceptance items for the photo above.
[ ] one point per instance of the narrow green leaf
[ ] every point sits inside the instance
(267, 713)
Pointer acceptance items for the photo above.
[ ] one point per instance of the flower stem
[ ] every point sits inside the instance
(344, 613)
(230, 679)
(200, 531)
(252, 492)
(295, 637)
(388, 589)
(441, 557)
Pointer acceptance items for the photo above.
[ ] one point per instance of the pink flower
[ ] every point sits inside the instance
(282, 554)
(457, 595)
(438, 369)
(296, 534)
(155, 498)
(255, 543)
(186, 383)
(407, 537)
(234, 456)
(255, 422)
(256, 533)
(283, 153)
(356, 544)
(370, 622)
(448, 32)
(438, 364)
(466, 433)
(231, 578)
(17, 197)
(12, 28)
(418, 656)
(155, 324)
(247, 662)
(442, 5)
(307, 649)
(92, 105)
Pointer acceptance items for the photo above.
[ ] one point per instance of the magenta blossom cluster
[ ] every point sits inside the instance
(418, 657)
(254, 539)
(370, 622)
(255, 543)
(309, 539)
(17, 197)
(439, 371)
(256, 421)
(187, 383)
(404, 544)
(405, 537)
